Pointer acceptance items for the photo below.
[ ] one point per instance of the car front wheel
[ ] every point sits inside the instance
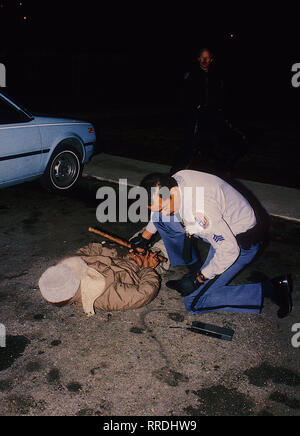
(63, 170)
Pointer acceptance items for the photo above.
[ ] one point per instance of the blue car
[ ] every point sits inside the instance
(52, 149)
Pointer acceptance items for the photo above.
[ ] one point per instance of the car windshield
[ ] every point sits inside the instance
(27, 112)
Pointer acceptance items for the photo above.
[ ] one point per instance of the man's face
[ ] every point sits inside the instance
(156, 205)
(166, 207)
(205, 59)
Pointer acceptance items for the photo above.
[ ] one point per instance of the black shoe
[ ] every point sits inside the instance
(195, 267)
(173, 284)
(282, 295)
(186, 285)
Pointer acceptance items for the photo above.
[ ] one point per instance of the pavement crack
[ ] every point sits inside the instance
(149, 330)
(10, 277)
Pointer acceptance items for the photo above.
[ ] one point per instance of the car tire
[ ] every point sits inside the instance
(63, 170)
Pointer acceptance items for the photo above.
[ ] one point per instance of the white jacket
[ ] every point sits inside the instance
(216, 212)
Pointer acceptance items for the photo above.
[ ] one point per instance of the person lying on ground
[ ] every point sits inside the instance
(97, 277)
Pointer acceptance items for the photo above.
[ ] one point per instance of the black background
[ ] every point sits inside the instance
(98, 54)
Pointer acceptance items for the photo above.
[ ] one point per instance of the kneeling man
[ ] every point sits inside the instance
(192, 204)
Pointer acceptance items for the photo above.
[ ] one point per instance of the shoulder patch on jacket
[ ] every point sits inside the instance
(202, 220)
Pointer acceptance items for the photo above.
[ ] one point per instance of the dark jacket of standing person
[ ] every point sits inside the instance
(203, 90)
(203, 99)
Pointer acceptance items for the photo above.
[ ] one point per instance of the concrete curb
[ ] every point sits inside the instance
(278, 201)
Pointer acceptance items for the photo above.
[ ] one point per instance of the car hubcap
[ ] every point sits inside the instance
(65, 169)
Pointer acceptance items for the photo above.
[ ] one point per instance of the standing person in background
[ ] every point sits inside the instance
(203, 98)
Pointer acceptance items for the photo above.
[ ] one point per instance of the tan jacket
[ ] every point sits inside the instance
(127, 286)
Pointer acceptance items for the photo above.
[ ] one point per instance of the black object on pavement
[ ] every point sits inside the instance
(210, 330)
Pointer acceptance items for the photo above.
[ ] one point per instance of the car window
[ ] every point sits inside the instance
(10, 115)
(17, 102)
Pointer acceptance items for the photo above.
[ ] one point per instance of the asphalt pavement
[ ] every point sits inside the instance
(134, 363)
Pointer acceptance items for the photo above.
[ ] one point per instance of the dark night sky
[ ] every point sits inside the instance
(158, 41)
(145, 25)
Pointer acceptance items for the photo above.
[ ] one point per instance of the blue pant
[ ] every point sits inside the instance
(214, 294)
(172, 233)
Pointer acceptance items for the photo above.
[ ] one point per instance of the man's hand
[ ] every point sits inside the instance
(200, 278)
(152, 259)
(141, 241)
(146, 261)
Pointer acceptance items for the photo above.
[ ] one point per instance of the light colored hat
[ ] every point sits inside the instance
(59, 283)
(76, 264)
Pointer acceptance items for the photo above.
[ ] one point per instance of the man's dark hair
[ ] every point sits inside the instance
(165, 182)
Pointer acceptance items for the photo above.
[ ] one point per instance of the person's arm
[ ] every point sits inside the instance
(189, 98)
(147, 235)
(226, 250)
(211, 227)
(143, 239)
(150, 229)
